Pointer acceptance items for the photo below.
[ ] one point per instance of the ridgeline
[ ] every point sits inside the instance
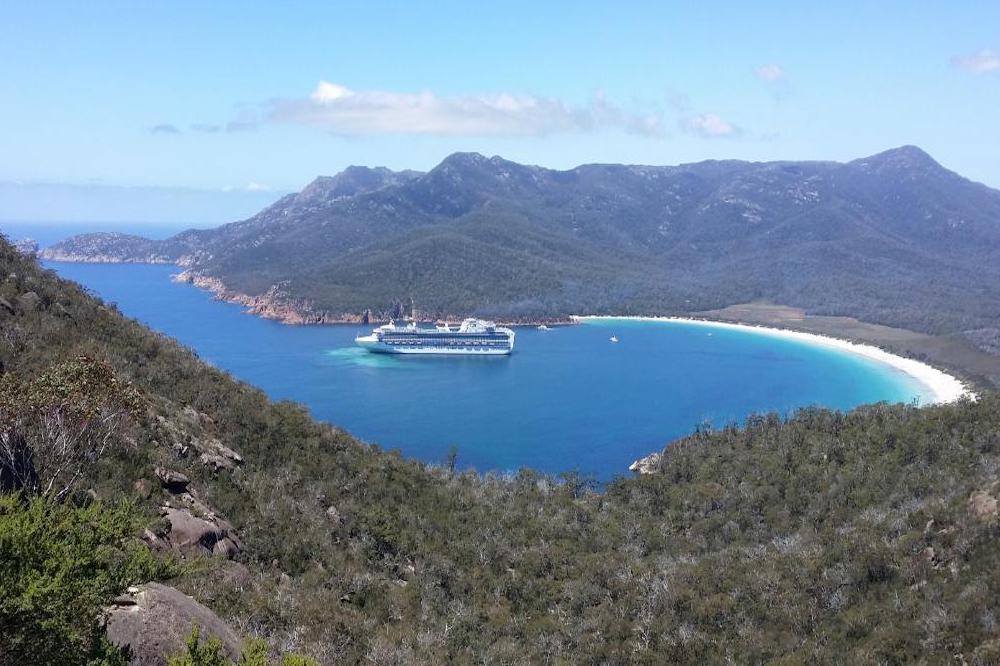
(893, 239)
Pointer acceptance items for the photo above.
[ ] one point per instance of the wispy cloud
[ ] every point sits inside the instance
(710, 126)
(229, 128)
(980, 62)
(164, 128)
(772, 73)
(241, 126)
(348, 112)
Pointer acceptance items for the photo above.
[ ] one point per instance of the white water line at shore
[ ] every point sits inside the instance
(942, 387)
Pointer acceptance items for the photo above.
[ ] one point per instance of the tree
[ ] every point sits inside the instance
(254, 654)
(208, 653)
(56, 425)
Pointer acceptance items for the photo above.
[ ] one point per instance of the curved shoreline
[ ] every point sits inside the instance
(942, 387)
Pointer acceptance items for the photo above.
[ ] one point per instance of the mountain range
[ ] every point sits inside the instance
(894, 238)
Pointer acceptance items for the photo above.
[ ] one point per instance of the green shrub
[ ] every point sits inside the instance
(59, 566)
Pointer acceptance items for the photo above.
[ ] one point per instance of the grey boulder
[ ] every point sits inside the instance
(153, 621)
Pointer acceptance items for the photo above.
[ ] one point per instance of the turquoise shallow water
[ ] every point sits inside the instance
(566, 399)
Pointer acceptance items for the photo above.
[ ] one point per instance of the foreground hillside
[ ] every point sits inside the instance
(894, 238)
(863, 537)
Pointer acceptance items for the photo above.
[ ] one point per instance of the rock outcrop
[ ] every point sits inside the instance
(154, 620)
(190, 433)
(28, 246)
(274, 304)
(333, 515)
(172, 481)
(193, 535)
(191, 529)
(983, 505)
(29, 301)
(647, 465)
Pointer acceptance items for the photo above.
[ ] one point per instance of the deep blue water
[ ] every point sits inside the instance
(566, 399)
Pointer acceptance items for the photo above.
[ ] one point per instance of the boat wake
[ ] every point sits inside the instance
(358, 357)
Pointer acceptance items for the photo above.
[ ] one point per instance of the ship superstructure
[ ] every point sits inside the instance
(472, 336)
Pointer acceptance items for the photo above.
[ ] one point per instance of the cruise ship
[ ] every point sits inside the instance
(472, 336)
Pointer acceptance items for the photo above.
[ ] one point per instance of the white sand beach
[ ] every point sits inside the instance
(940, 386)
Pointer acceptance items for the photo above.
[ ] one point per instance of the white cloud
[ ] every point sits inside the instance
(772, 73)
(329, 92)
(249, 187)
(344, 111)
(980, 62)
(710, 126)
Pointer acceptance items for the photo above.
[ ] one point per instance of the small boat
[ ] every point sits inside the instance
(543, 327)
(614, 338)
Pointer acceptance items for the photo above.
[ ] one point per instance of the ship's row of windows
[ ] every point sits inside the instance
(446, 343)
(491, 336)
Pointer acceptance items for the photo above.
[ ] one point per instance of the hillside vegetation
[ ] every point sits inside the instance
(862, 537)
(894, 238)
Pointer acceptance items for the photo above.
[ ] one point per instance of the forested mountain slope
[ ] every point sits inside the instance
(861, 537)
(894, 238)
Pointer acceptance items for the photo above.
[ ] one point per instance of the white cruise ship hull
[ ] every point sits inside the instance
(372, 344)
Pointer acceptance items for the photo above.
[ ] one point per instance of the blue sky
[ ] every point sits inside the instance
(268, 95)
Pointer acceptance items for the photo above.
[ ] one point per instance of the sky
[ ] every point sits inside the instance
(254, 97)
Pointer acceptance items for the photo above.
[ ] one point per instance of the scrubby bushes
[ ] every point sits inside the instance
(60, 564)
(826, 537)
(210, 653)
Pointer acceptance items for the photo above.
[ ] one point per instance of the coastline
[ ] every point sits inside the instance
(276, 305)
(941, 386)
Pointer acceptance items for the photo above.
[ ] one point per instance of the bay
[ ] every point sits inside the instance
(567, 399)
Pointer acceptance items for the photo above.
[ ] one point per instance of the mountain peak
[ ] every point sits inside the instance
(476, 162)
(903, 157)
(354, 180)
(470, 159)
